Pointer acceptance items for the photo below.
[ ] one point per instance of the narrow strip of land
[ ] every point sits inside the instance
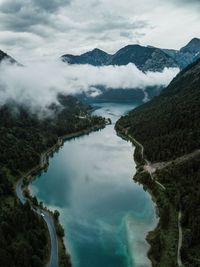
(151, 169)
(47, 217)
(148, 166)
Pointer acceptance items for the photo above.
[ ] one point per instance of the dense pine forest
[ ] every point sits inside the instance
(168, 127)
(24, 136)
(183, 189)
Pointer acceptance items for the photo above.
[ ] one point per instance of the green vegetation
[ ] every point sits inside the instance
(23, 237)
(23, 234)
(63, 257)
(164, 239)
(24, 136)
(168, 128)
(183, 189)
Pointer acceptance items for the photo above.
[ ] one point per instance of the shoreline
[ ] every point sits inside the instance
(167, 237)
(82, 132)
(140, 164)
(44, 161)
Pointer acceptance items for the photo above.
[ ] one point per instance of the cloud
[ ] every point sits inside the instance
(191, 2)
(23, 15)
(38, 84)
(13, 6)
(52, 5)
(63, 25)
(56, 27)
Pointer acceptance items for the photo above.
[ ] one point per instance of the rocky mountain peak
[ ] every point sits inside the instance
(193, 46)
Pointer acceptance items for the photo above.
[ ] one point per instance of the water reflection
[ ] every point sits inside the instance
(104, 213)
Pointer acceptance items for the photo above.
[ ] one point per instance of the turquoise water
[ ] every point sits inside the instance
(105, 215)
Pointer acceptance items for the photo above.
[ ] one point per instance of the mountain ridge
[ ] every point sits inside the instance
(96, 57)
(146, 58)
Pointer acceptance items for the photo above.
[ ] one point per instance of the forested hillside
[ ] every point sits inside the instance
(24, 136)
(168, 127)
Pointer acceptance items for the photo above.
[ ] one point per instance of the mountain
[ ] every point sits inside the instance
(168, 129)
(192, 47)
(187, 54)
(95, 57)
(4, 56)
(145, 58)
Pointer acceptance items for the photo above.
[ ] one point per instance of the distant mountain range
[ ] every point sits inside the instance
(145, 58)
(187, 54)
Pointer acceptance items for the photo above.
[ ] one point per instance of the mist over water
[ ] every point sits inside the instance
(38, 84)
(105, 214)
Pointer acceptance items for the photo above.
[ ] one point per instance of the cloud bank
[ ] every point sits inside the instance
(38, 84)
(31, 29)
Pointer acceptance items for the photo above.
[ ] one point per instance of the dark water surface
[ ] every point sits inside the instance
(105, 215)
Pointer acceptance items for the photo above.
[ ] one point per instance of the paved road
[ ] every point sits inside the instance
(53, 262)
(19, 192)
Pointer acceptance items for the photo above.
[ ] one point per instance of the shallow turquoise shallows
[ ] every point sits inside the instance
(105, 214)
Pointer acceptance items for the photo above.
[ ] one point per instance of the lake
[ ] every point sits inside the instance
(105, 214)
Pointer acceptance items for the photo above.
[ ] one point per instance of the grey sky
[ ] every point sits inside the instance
(32, 29)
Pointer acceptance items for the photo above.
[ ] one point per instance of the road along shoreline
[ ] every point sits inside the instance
(46, 214)
(145, 176)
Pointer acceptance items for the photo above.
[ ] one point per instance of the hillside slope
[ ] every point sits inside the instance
(168, 126)
(168, 130)
(24, 137)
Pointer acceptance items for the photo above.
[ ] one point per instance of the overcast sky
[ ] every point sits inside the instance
(35, 29)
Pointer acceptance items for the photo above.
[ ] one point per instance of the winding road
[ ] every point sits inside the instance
(151, 168)
(47, 217)
(147, 166)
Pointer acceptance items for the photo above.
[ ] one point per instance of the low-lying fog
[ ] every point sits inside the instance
(38, 84)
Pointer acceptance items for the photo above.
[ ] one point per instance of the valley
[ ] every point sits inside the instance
(99, 152)
(102, 210)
